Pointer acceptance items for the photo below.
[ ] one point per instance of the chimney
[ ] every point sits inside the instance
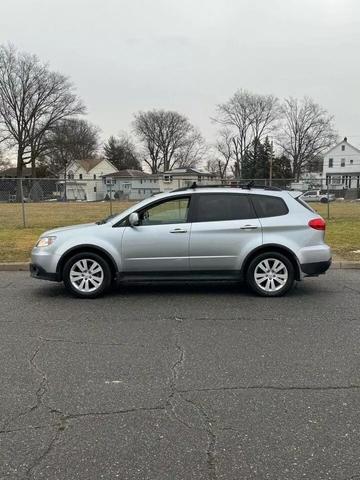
(345, 139)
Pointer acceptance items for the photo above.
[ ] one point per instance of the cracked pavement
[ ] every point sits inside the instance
(183, 382)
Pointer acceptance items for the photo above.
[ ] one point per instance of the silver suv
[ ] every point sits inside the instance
(265, 236)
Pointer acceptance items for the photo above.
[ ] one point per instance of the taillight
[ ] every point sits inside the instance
(317, 223)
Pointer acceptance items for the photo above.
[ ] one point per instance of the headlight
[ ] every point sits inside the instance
(45, 241)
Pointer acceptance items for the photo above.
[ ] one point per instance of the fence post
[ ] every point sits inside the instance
(327, 194)
(111, 210)
(22, 202)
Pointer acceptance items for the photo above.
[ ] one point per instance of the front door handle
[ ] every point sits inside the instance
(178, 230)
(249, 227)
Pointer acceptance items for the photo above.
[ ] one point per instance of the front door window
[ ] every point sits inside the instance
(170, 212)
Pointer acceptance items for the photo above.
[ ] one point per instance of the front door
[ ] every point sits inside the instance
(225, 229)
(160, 243)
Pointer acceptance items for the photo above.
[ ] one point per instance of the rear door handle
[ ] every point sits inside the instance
(178, 230)
(249, 227)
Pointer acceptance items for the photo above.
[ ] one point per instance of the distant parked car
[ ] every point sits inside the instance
(317, 196)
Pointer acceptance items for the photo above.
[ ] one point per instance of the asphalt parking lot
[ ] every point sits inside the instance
(180, 382)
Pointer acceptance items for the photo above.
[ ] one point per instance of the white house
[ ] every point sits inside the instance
(185, 177)
(137, 185)
(131, 184)
(84, 179)
(342, 166)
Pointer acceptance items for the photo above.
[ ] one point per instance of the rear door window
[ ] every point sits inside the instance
(216, 207)
(269, 206)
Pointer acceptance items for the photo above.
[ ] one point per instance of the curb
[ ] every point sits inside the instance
(345, 265)
(14, 267)
(24, 266)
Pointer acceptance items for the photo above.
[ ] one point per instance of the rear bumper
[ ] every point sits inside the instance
(316, 268)
(40, 273)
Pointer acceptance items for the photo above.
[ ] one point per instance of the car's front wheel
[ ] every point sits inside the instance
(87, 275)
(270, 274)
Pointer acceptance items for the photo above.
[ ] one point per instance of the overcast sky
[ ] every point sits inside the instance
(189, 55)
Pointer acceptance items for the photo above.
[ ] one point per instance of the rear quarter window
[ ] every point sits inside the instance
(269, 206)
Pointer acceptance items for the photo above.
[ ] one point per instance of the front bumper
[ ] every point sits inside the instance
(316, 268)
(40, 273)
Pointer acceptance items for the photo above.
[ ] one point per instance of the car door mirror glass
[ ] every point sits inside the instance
(134, 219)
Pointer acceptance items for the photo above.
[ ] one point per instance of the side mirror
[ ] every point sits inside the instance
(134, 219)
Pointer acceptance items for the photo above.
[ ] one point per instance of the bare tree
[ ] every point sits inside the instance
(193, 151)
(226, 151)
(212, 166)
(68, 140)
(32, 100)
(307, 131)
(250, 118)
(121, 152)
(168, 138)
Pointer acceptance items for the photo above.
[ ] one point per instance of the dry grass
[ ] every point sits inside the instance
(343, 231)
(16, 242)
(343, 228)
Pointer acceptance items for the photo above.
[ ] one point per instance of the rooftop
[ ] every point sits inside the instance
(128, 173)
(89, 163)
(188, 171)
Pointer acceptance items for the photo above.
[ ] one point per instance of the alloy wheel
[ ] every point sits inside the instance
(86, 275)
(271, 275)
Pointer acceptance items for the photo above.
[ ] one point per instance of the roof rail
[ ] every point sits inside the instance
(244, 186)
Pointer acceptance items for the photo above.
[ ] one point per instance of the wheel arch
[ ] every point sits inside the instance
(273, 247)
(86, 248)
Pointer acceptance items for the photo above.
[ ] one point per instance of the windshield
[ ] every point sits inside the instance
(127, 211)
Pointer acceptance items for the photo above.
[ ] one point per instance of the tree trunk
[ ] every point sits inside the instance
(33, 167)
(19, 173)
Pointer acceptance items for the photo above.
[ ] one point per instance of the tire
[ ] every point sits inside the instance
(87, 275)
(267, 281)
(324, 200)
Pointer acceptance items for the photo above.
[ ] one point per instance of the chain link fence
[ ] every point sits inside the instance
(29, 202)
(40, 202)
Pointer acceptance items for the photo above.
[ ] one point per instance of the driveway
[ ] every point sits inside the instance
(180, 382)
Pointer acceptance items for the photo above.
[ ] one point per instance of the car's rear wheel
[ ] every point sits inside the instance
(270, 274)
(324, 200)
(87, 275)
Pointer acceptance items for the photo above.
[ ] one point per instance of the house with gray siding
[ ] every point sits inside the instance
(131, 184)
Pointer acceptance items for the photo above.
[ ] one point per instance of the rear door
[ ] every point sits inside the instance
(224, 229)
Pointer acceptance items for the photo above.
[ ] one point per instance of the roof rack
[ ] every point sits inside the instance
(244, 186)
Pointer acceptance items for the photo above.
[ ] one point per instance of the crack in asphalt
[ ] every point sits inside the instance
(25, 429)
(40, 392)
(40, 458)
(170, 408)
(63, 423)
(72, 416)
(80, 342)
(211, 435)
(352, 289)
(272, 387)
(44, 382)
(212, 440)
